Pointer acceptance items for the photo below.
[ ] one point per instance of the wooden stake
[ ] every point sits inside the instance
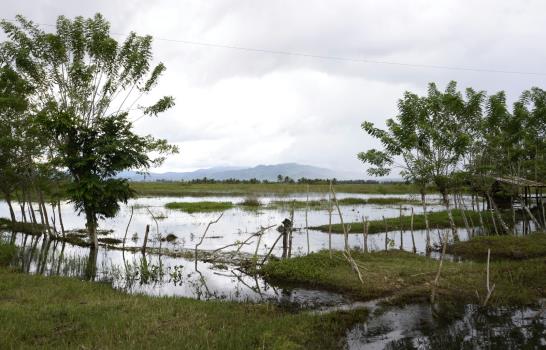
(412, 237)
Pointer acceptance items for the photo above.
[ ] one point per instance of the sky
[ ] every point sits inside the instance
(244, 108)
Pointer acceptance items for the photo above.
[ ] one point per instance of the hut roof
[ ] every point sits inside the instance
(519, 181)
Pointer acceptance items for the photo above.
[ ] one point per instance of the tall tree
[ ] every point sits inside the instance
(86, 87)
(427, 141)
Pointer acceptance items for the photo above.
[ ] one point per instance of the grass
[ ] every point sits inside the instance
(188, 189)
(502, 247)
(198, 207)
(7, 253)
(23, 227)
(323, 203)
(437, 219)
(65, 313)
(407, 277)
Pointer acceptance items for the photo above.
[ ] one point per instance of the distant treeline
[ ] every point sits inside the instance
(284, 180)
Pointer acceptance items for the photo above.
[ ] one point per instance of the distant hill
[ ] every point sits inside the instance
(260, 172)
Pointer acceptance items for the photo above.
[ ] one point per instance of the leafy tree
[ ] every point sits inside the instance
(14, 93)
(427, 142)
(86, 85)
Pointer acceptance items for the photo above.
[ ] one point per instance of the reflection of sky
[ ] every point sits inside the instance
(178, 278)
(179, 275)
(473, 328)
(237, 224)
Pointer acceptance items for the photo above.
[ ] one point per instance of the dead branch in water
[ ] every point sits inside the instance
(205, 233)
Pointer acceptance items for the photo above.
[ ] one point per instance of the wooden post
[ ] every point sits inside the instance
(145, 239)
(306, 223)
(386, 236)
(412, 237)
(365, 233)
(291, 230)
(401, 230)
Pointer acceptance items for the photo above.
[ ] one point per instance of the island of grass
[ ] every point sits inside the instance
(408, 277)
(436, 220)
(502, 247)
(325, 204)
(199, 207)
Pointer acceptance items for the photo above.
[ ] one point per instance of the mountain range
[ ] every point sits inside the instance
(260, 172)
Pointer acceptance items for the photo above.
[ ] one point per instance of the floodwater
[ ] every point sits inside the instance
(167, 276)
(237, 224)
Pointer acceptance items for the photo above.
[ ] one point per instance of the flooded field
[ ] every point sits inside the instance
(414, 326)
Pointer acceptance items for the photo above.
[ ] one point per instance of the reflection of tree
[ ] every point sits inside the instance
(477, 328)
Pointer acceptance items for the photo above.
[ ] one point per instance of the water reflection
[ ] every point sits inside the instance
(152, 274)
(462, 327)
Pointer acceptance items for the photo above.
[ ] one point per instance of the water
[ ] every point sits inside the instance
(418, 326)
(238, 224)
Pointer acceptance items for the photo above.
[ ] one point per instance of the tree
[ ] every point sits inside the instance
(427, 141)
(14, 93)
(86, 85)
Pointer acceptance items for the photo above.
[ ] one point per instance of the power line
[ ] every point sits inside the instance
(334, 58)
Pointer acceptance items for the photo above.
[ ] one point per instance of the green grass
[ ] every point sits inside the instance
(65, 313)
(7, 253)
(323, 203)
(502, 247)
(23, 227)
(436, 220)
(187, 189)
(198, 207)
(407, 277)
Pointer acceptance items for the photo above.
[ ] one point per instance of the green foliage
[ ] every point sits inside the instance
(427, 139)
(85, 86)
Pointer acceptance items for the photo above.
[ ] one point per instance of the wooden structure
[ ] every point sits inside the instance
(524, 190)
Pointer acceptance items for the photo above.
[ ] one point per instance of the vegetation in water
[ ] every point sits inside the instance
(502, 247)
(407, 277)
(436, 220)
(198, 207)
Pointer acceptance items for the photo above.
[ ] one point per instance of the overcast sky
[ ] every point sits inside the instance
(244, 108)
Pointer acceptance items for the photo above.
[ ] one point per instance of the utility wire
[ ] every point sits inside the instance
(334, 58)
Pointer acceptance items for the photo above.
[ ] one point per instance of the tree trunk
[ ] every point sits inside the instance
(92, 228)
(60, 217)
(11, 211)
(450, 216)
(427, 227)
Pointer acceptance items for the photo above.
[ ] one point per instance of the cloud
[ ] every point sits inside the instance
(237, 107)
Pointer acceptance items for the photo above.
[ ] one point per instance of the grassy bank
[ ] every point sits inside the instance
(436, 220)
(186, 189)
(502, 247)
(408, 277)
(56, 312)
